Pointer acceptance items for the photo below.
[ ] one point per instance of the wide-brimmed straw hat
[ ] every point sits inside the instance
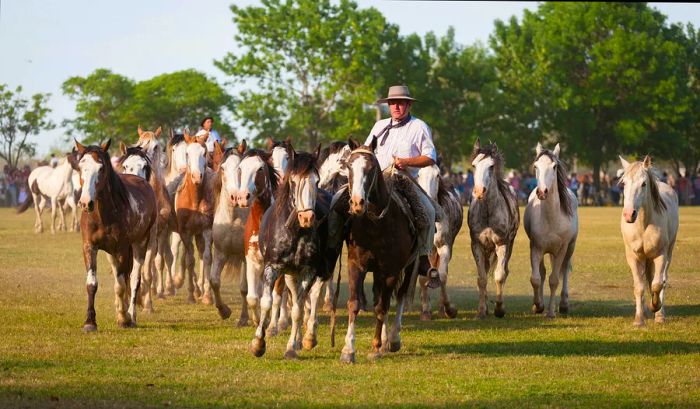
(397, 92)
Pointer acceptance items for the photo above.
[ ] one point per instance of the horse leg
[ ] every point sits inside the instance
(242, 290)
(310, 341)
(382, 293)
(257, 346)
(537, 278)
(566, 270)
(189, 267)
(328, 298)
(170, 260)
(500, 275)
(285, 308)
(658, 285)
(138, 254)
(444, 257)
(394, 341)
(159, 268)
(90, 256)
(39, 205)
(200, 279)
(426, 314)
(178, 274)
(54, 204)
(148, 268)
(347, 355)
(297, 295)
(205, 282)
(254, 267)
(637, 267)
(482, 267)
(62, 216)
(557, 270)
(216, 267)
(277, 293)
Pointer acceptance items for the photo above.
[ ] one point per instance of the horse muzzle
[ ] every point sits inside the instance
(542, 194)
(358, 206)
(306, 218)
(196, 178)
(244, 199)
(87, 206)
(479, 192)
(630, 215)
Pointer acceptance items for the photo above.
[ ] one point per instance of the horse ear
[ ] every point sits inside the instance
(317, 154)
(289, 139)
(105, 146)
(122, 148)
(269, 142)
(79, 146)
(73, 159)
(647, 162)
(224, 142)
(139, 130)
(158, 131)
(538, 148)
(353, 144)
(556, 150)
(495, 147)
(477, 144)
(373, 144)
(218, 148)
(625, 164)
(242, 147)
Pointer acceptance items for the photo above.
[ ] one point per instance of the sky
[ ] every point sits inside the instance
(44, 42)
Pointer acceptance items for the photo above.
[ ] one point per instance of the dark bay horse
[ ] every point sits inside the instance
(380, 239)
(119, 212)
(293, 243)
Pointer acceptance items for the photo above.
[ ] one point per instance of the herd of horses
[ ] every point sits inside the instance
(279, 218)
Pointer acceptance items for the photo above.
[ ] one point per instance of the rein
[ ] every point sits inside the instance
(371, 215)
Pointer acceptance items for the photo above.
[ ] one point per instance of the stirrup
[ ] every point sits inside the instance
(433, 278)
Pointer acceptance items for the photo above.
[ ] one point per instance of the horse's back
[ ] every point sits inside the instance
(144, 198)
(670, 199)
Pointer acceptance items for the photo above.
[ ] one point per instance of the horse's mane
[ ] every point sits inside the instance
(444, 188)
(503, 187)
(334, 147)
(637, 167)
(271, 172)
(300, 164)
(216, 182)
(137, 151)
(117, 186)
(564, 198)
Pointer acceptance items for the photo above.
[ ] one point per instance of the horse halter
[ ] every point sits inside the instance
(371, 215)
(295, 193)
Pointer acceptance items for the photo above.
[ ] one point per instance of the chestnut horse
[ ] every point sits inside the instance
(258, 181)
(381, 240)
(119, 212)
(293, 242)
(194, 209)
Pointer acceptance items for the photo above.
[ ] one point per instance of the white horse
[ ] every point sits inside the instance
(446, 231)
(551, 223)
(72, 201)
(649, 225)
(48, 183)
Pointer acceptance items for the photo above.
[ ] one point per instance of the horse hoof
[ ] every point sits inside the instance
(127, 324)
(206, 299)
(242, 322)
(282, 325)
(224, 312)
(551, 315)
(395, 346)
(257, 347)
(148, 310)
(191, 299)
(327, 306)
(482, 315)
(160, 296)
(426, 316)
(309, 343)
(563, 309)
(291, 355)
(639, 322)
(197, 292)
(660, 320)
(451, 312)
(271, 332)
(348, 358)
(89, 327)
(499, 312)
(373, 356)
(537, 308)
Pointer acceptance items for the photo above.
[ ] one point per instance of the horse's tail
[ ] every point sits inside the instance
(30, 199)
(335, 298)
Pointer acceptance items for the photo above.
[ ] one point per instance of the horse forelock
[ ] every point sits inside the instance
(490, 150)
(272, 174)
(138, 151)
(562, 190)
(636, 170)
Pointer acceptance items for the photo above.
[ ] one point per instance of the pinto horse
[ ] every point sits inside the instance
(293, 242)
(258, 181)
(649, 225)
(119, 212)
(228, 227)
(551, 223)
(194, 209)
(380, 239)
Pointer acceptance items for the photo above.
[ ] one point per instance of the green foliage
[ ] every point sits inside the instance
(110, 105)
(312, 66)
(19, 118)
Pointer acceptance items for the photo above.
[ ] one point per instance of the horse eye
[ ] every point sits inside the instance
(644, 184)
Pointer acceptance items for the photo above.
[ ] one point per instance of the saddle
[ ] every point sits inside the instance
(405, 192)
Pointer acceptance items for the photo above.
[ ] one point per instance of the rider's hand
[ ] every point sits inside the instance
(400, 163)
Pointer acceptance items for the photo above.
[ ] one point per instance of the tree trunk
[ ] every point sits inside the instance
(596, 174)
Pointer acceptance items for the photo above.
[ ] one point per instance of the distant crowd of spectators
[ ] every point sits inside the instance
(609, 194)
(13, 185)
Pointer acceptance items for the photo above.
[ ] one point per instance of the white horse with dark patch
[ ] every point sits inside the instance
(649, 225)
(54, 185)
(446, 231)
(551, 223)
(493, 223)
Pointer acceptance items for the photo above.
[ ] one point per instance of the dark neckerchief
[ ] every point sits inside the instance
(384, 133)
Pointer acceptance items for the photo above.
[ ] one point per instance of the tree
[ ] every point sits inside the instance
(109, 105)
(601, 75)
(20, 118)
(315, 67)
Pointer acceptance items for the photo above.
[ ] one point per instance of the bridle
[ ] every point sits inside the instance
(371, 215)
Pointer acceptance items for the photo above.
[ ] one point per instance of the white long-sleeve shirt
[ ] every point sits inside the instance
(409, 141)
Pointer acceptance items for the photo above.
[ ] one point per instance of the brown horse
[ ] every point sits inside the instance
(194, 209)
(381, 240)
(119, 212)
(258, 181)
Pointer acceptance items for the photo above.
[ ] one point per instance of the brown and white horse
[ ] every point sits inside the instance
(493, 221)
(194, 209)
(380, 240)
(119, 212)
(649, 225)
(258, 181)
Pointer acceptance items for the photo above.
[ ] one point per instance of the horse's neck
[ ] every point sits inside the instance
(65, 171)
(224, 208)
(106, 205)
(552, 205)
(380, 195)
(194, 193)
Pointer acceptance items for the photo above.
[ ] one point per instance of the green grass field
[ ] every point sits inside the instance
(185, 356)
